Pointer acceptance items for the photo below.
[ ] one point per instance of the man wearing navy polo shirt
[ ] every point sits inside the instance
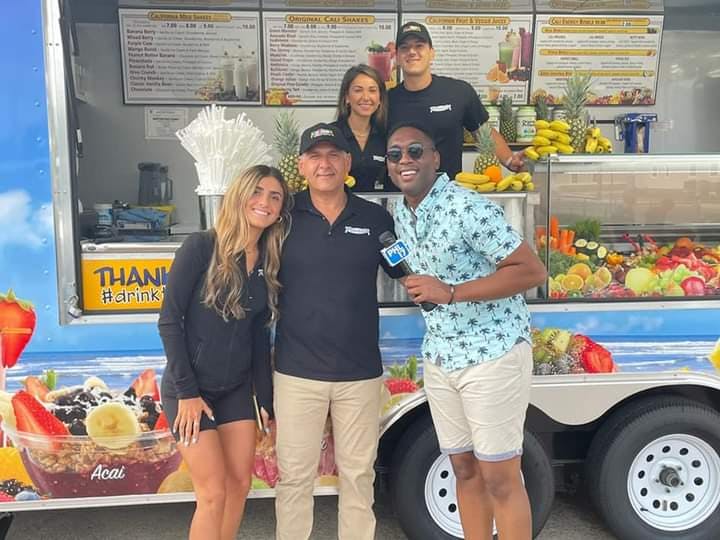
(327, 356)
(477, 354)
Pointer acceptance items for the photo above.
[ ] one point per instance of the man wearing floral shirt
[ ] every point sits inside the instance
(477, 353)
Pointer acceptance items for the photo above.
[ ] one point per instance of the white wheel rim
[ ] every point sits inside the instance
(673, 483)
(441, 497)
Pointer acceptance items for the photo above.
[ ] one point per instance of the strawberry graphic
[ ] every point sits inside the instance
(162, 423)
(400, 386)
(146, 385)
(36, 387)
(17, 323)
(32, 417)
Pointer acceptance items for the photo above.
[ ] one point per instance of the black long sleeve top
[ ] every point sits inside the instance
(205, 352)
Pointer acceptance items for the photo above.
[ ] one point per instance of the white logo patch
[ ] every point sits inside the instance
(357, 230)
(381, 159)
(441, 108)
(320, 132)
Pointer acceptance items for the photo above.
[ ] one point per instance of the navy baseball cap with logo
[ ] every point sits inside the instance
(323, 133)
(414, 29)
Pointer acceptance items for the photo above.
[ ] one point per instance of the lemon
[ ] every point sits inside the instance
(604, 276)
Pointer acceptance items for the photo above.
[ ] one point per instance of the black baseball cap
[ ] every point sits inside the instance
(415, 29)
(323, 133)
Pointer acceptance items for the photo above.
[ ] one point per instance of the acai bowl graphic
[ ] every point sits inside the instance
(90, 441)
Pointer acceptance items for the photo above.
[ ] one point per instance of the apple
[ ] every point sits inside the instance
(693, 286)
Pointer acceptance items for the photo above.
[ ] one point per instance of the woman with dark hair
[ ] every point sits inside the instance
(362, 119)
(221, 294)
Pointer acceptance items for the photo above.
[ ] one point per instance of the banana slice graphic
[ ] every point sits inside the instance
(112, 425)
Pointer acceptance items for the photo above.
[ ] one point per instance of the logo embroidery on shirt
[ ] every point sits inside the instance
(357, 230)
(260, 272)
(381, 159)
(441, 108)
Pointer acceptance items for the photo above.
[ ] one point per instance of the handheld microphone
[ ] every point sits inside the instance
(395, 252)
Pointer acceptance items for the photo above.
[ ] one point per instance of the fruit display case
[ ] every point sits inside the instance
(629, 227)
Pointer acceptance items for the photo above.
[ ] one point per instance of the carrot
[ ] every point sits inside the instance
(553, 242)
(554, 227)
(571, 238)
(563, 243)
(540, 233)
(572, 251)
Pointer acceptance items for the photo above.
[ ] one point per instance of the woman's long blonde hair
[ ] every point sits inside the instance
(225, 279)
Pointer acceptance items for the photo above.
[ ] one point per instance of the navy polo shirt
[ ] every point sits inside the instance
(328, 327)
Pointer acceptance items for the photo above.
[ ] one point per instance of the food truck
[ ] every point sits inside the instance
(97, 193)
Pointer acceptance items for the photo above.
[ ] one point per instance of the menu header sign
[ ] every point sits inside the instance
(475, 6)
(373, 5)
(621, 52)
(307, 54)
(596, 6)
(190, 57)
(492, 52)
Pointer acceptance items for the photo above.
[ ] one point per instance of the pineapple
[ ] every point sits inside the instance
(542, 110)
(485, 145)
(287, 140)
(508, 129)
(577, 88)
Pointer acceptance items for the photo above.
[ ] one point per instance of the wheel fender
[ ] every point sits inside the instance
(411, 402)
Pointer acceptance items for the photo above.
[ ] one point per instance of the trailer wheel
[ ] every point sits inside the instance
(423, 486)
(654, 470)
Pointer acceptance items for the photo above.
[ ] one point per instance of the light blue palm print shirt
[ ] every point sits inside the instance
(458, 235)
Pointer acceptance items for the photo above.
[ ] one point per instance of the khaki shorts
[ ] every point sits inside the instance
(482, 408)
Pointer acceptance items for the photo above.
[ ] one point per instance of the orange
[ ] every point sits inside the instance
(494, 173)
(502, 77)
(685, 242)
(572, 282)
(580, 269)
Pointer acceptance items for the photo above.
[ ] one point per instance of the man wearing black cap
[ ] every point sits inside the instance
(444, 104)
(326, 349)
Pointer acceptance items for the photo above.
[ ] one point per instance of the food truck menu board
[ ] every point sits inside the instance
(190, 56)
(622, 53)
(307, 54)
(491, 52)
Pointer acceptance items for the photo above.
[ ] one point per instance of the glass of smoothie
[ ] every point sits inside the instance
(506, 54)
(380, 58)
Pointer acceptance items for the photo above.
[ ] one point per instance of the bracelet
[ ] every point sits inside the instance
(452, 294)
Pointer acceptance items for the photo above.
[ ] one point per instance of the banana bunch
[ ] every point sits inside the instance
(483, 184)
(595, 143)
(550, 138)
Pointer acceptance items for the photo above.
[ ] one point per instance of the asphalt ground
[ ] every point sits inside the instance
(571, 519)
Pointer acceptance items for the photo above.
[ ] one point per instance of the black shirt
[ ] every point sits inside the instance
(447, 105)
(328, 327)
(368, 164)
(203, 351)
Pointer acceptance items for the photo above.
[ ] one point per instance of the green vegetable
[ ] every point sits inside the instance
(589, 229)
(561, 263)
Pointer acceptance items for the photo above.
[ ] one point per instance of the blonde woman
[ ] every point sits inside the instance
(221, 294)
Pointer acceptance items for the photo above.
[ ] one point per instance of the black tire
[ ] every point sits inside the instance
(417, 452)
(621, 439)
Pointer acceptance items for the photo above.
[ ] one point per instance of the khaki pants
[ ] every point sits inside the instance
(301, 408)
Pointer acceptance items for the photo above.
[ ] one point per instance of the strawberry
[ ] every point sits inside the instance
(4, 497)
(36, 387)
(17, 323)
(400, 386)
(32, 417)
(162, 423)
(146, 385)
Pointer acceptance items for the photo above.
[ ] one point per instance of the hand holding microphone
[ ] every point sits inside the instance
(395, 252)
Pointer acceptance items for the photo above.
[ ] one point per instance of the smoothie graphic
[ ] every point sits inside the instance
(381, 59)
(89, 441)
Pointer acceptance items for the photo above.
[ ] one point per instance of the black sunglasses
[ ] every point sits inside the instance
(414, 150)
